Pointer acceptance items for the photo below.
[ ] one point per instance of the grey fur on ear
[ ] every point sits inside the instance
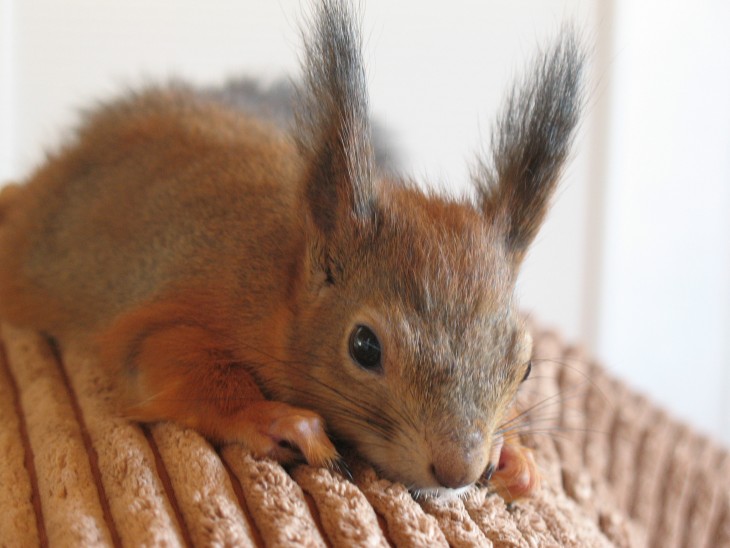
(531, 141)
(333, 126)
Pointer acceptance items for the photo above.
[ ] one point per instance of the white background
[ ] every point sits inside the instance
(634, 261)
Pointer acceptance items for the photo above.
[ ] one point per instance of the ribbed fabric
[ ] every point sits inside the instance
(617, 471)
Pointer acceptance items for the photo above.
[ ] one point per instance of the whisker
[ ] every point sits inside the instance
(561, 433)
(555, 399)
(587, 379)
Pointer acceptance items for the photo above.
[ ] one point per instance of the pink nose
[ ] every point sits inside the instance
(453, 477)
(458, 464)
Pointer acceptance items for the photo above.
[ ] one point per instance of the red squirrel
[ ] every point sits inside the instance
(273, 287)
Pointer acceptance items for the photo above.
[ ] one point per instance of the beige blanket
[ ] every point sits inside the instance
(617, 471)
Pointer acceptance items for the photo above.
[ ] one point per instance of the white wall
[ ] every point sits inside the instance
(664, 306)
(634, 258)
(8, 85)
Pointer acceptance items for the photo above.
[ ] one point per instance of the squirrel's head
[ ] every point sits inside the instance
(407, 339)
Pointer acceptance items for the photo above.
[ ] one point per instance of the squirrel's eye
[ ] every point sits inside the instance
(365, 348)
(527, 373)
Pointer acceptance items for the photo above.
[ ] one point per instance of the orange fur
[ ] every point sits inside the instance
(179, 366)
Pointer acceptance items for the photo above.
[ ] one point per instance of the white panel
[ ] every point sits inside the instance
(7, 86)
(665, 303)
(73, 52)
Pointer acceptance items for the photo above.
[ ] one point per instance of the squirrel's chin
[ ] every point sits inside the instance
(444, 493)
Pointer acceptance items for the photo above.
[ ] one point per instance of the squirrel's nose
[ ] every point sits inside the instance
(452, 477)
(457, 465)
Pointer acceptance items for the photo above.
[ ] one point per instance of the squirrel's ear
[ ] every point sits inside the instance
(333, 126)
(531, 142)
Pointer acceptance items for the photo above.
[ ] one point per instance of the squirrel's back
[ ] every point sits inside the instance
(160, 186)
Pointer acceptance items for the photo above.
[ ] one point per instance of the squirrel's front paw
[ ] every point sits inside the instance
(301, 433)
(516, 475)
(281, 432)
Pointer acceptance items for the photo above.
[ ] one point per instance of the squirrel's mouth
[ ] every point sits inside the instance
(424, 484)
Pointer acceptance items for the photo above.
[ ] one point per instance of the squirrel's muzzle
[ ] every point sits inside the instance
(461, 460)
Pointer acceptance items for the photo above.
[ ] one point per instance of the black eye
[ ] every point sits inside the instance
(527, 373)
(365, 348)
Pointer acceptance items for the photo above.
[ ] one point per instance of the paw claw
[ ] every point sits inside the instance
(304, 431)
(340, 466)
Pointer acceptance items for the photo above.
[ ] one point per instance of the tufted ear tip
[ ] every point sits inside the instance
(333, 120)
(531, 142)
